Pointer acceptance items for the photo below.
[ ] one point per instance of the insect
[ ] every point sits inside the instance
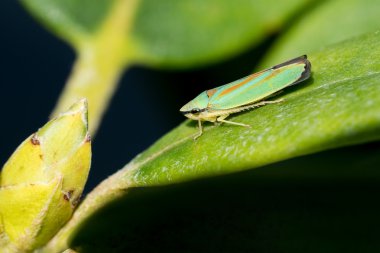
(215, 105)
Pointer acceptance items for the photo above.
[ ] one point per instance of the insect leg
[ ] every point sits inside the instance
(222, 119)
(200, 130)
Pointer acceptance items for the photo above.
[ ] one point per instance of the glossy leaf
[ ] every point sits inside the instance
(339, 106)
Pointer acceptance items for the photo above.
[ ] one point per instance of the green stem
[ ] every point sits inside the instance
(101, 61)
(95, 77)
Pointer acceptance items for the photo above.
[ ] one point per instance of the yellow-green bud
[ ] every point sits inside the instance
(42, 181)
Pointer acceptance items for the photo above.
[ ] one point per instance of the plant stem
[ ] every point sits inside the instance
(92, 80)
(100, 63)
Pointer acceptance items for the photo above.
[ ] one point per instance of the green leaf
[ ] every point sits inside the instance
(190, 33)
(339, 106)
(169, 32)
(330, 22)
(307, 204)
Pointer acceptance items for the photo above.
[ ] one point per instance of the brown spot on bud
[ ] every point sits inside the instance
(41, 157)
(35, 140)
(67, 195)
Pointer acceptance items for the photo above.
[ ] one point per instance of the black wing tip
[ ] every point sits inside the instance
(307, 72)
(302, 58)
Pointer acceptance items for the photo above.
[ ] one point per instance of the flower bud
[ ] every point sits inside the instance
(42, 181)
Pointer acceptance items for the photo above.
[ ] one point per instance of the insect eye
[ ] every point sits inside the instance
(195, 110)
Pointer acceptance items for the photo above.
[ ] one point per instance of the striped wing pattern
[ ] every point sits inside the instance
(260, 85)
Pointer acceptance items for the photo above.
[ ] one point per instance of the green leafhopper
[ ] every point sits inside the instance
(215, 105)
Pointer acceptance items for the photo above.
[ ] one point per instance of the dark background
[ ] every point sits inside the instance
(34, 67)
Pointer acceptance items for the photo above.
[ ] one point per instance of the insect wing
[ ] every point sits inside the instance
(257, 86)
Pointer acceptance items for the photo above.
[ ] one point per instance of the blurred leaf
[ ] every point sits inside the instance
(339, 106)
(330, 22)
(170, 32)
(189, 33)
